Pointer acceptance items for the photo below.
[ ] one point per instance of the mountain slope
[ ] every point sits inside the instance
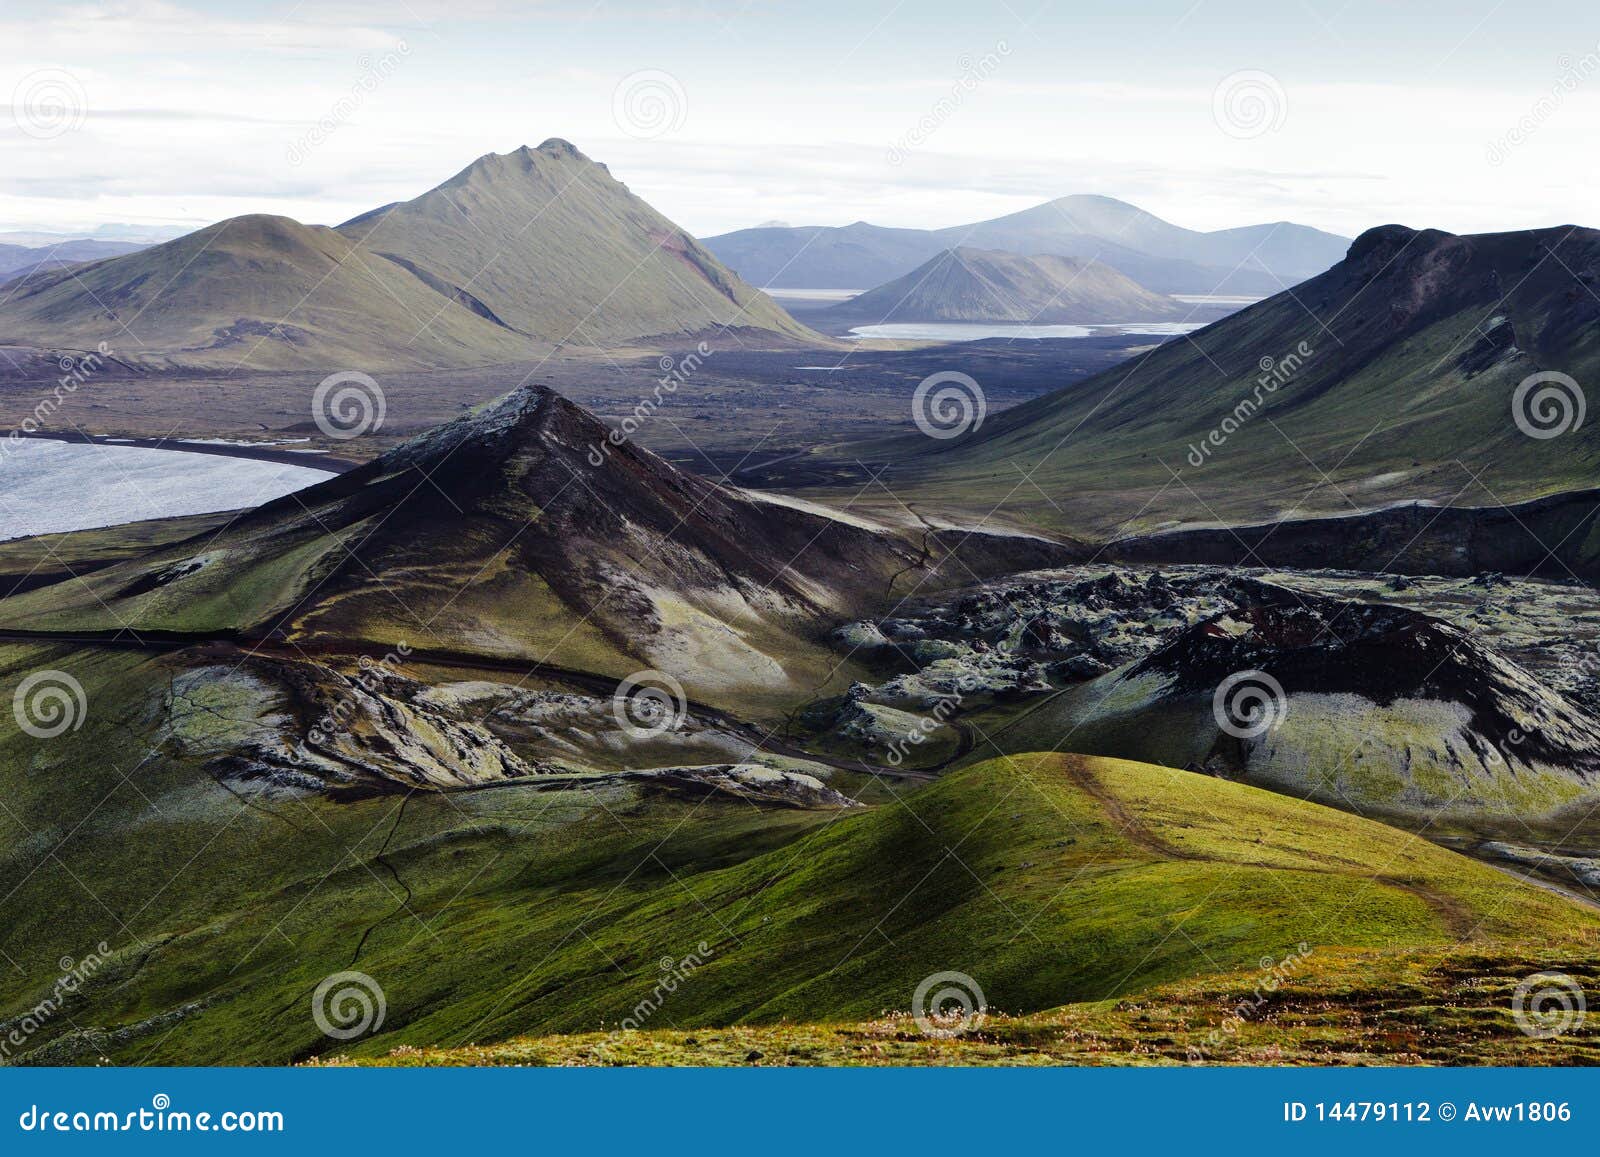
(513, 256)
(1065, 883)
(21, 260)
(549, 244)
(1391, 377)
(981, 285)
(524, 531)
(1251, 259)
(1164, 258)
(264, 291)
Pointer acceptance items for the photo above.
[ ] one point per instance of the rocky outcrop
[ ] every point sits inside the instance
(277, 726)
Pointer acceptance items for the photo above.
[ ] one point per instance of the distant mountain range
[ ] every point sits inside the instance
(21, 260)
(514, 256)
(985, 285)
(1401, 373)
(1255, 260)
(132, 234)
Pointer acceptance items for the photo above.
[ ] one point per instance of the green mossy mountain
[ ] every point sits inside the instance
(482, 916)
(515, 256)
(1392, 377)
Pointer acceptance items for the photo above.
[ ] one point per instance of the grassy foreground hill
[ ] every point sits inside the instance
(1045, 879)
(1332, 1007)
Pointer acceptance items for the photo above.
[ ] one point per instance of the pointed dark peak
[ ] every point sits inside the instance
(487, 431)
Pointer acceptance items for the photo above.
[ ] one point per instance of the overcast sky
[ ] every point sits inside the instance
(1469, 116)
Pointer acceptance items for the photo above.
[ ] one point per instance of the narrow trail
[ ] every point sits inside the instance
(1455, 915)
(1458, 919)
(1129, 825)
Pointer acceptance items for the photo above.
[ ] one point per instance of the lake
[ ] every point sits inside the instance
(971, 331)
(47, 487)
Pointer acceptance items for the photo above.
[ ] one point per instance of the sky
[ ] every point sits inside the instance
(1468, 116)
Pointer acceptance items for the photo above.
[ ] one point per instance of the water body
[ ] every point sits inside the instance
(1214, 299)
(47, 487)
(965, 331)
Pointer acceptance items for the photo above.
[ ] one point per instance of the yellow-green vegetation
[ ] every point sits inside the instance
(1338, 1007)
(45, 558)
(494, 913)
